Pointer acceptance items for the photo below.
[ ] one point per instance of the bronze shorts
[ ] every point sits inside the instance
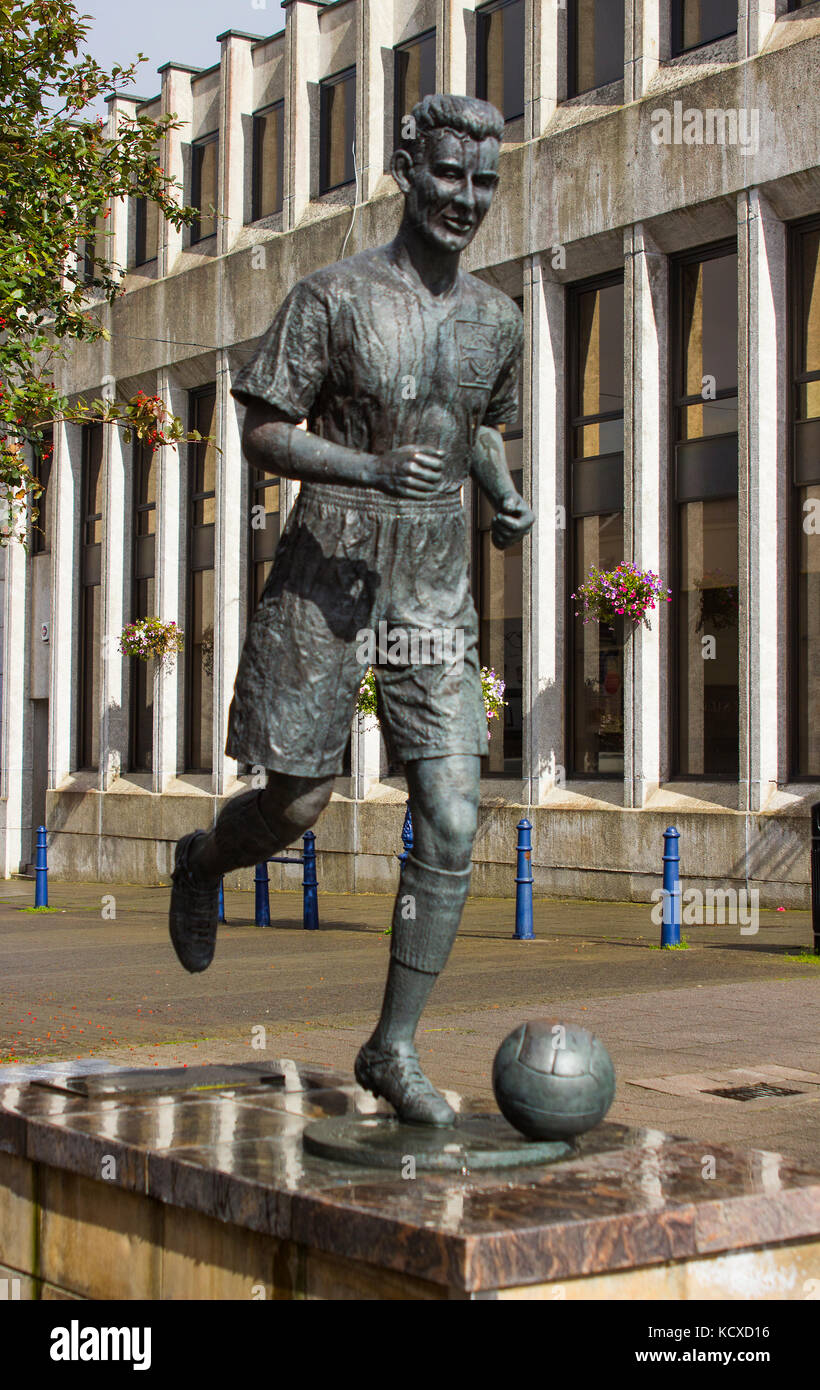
(352, 562)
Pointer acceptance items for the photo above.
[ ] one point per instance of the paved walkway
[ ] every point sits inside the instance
(731, 1012)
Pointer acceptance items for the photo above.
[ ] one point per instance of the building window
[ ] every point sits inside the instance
(596, 44)
(414, 77)
(268, 179)
(501, 58)
(498, 590)
(85, 268)
(90, 653)
(595, 716)
(805, 408)
(204, 194)
(89, 250)
(264, 530)
(705, 512)
(337, 130)
(199, 629)
(146, 247)
(800, 4)
(697, 22)
(143, 604)
(43, 455)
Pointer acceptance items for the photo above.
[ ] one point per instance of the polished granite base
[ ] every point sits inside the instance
(196, 1183)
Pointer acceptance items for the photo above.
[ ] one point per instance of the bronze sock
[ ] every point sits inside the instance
(241, 836)
(426, 918)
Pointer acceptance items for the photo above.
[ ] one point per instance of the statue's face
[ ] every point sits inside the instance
(449, 193)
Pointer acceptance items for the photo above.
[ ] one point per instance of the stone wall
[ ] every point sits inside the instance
(597, 851)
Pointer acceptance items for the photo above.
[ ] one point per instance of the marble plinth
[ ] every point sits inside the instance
(195, 1183)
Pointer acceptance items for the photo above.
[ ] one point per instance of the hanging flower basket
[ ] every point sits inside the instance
(151, 639)
(366, 699)
(492, 688)
(625, 592)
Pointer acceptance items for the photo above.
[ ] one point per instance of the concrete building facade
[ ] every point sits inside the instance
(658, 219)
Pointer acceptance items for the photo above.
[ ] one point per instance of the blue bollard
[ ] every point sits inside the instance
(670, 928)
(262, 914)
(310, 884)
(406, 835)
(310, 887)
(221, 917)
(41, 869)
(523, 884)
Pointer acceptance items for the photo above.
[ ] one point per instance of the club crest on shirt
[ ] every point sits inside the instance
(478, 353)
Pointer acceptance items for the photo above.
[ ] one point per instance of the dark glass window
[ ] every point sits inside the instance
(90, 654)
(143, 603)
(337, 130)
(89, 249)
(85, 261)
(805, 411)
(704, 318)
(264, 530)
(500, 57)
(696, 22)
(147, 231)
(268, 161)
(498, 590)
(596, 529)
(414, 76)
(204, 191)
(800, 4)
(43, 455)
(596, 44)
(199, 629)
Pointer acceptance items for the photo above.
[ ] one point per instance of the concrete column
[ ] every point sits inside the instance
(65, 488)
(170, 593)
(119, 107)
(235, 91)
(15, 749)
(176, 98)
(375, 32)
(288, 492)
(763, 483)
(365, 761)
(544, 551)
(647, 43)
(646, 332)
(455, 46)
(231, 535)
(114, 711)
(301, 71)
(755, 21)
(545, 64)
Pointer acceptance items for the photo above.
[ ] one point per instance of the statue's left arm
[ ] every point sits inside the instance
(513, 518)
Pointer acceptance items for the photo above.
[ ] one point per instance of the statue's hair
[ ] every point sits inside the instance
(464, 115)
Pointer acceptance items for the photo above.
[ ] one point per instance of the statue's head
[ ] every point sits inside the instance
(447, 168)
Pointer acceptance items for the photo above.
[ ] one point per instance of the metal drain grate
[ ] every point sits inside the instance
(757, 1092)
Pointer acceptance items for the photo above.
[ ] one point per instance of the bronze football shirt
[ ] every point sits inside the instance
(374, 361)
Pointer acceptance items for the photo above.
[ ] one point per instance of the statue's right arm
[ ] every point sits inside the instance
(273, 443)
